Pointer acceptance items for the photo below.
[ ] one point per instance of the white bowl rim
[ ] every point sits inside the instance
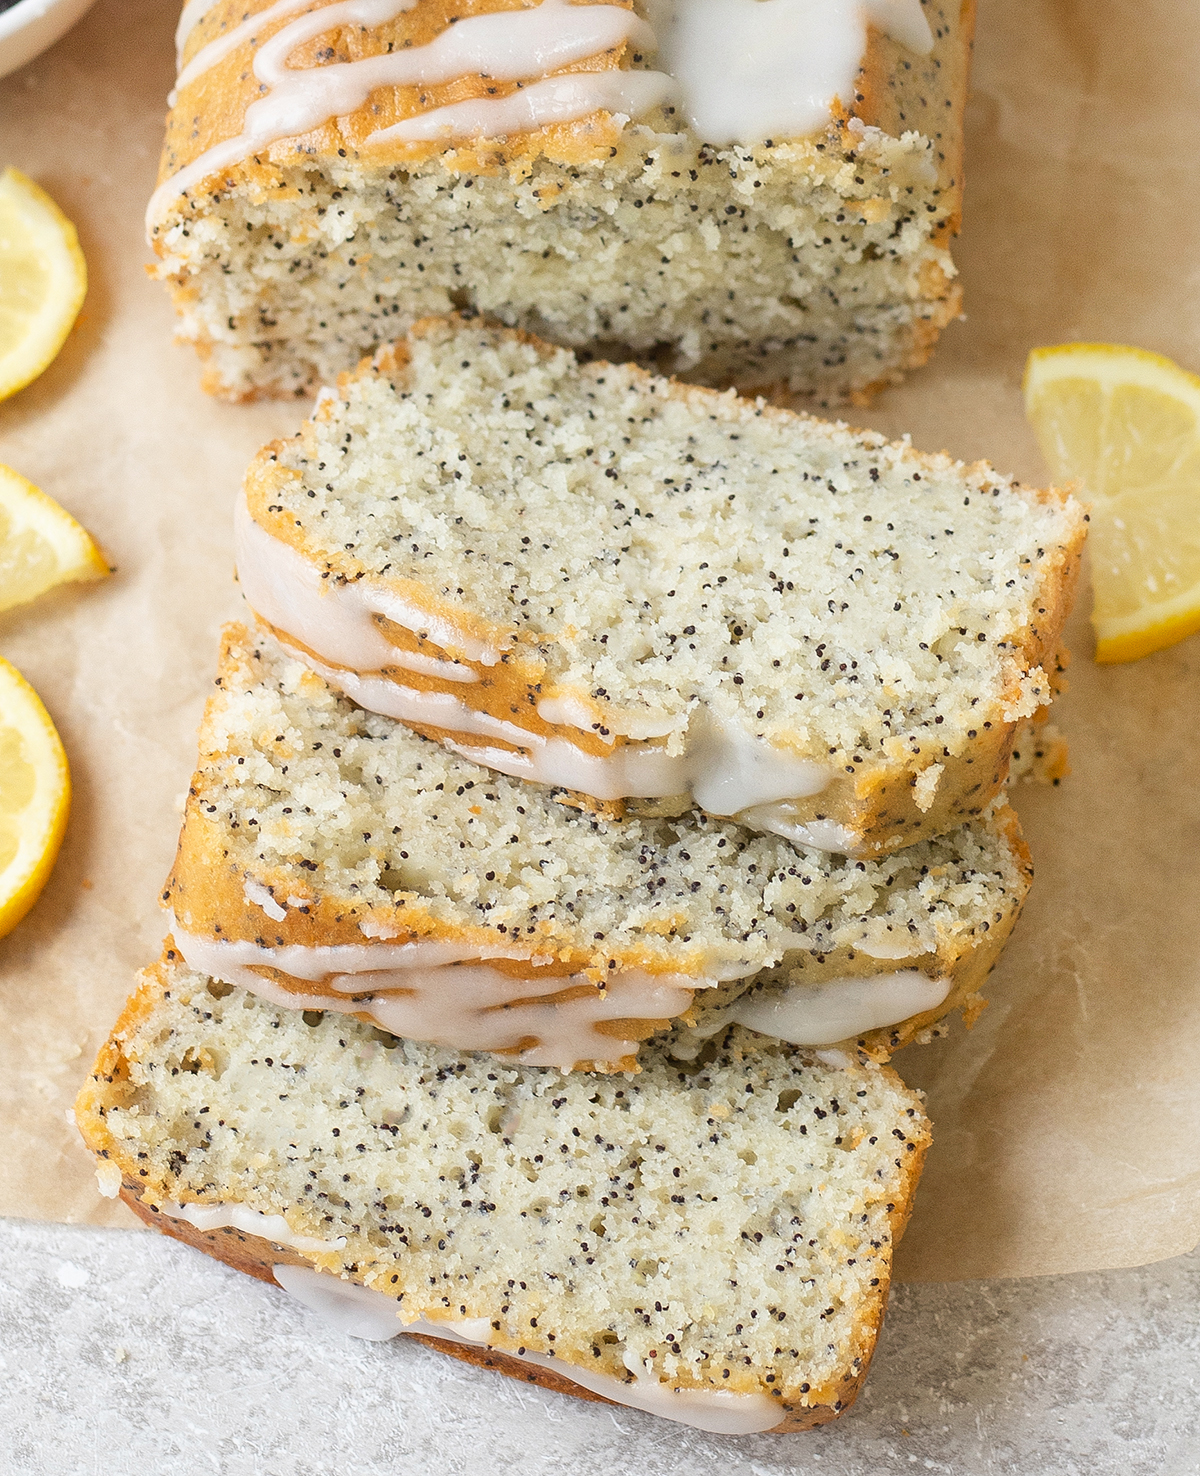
(25, 12)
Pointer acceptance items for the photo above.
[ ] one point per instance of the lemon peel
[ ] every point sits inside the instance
(35, 796)
(1125, 424)
(43, 280)
(41, 544)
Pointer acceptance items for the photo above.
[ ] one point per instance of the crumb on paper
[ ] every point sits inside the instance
(108, 1179)
(1039, 754)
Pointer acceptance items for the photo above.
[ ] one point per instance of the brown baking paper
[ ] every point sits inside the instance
(1067, 1123)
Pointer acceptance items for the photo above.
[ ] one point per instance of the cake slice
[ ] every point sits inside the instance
(710, 1244)
(587, 577)
(333, 859)
(603, 174)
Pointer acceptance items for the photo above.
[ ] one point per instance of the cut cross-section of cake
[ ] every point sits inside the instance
(749, 193)
(710, 1243)
(332, 859)
(585, 576)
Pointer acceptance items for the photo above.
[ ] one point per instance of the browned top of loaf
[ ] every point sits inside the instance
(896, 91)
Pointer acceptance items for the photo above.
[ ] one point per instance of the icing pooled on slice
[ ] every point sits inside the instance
(409, 990)
(755, 69)
(206, 1217)
(828, 1013)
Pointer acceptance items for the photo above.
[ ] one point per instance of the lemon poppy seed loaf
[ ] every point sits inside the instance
(712, 1243)
(332, 859)
(586, 576)
(602, 174)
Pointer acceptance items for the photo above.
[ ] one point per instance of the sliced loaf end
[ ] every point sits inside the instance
(726, 1228)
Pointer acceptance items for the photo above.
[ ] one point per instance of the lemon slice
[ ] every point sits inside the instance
(1125, 424)
(41, 545)
(35, 795)
(43, 278)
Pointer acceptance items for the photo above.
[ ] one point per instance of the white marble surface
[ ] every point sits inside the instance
(125, 1353)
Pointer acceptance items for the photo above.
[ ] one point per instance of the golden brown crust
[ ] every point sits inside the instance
(899, 92)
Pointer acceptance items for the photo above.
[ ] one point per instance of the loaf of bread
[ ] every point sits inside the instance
(743, 193)
(592, 578)
(333, 859)
(712, 1243)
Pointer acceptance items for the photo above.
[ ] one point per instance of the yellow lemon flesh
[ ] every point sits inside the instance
(1125, 424)
(43, 279)
(35, 795)
(41, 545)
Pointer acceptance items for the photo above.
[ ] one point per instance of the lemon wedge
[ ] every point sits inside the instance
(1125, 424)
(35, 795)
(41, 545)
(43, 279)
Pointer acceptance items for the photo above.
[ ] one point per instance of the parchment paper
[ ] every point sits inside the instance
(1067, 1123)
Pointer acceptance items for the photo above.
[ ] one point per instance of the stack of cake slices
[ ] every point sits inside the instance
(609, 778)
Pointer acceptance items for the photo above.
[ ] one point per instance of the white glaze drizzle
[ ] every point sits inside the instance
(275, 1228)
(359, 1311)
(625, 94)
(747, 69)
(466, 1006)
(821, 835)
(835, 1010)
(190, 17)
(506, 46)
(447, 994)
(108, 1178)
(502, 45)
(317, 963)
(727, 770)
(724, 770)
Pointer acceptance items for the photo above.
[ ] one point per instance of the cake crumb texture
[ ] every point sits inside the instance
(730, 1224)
